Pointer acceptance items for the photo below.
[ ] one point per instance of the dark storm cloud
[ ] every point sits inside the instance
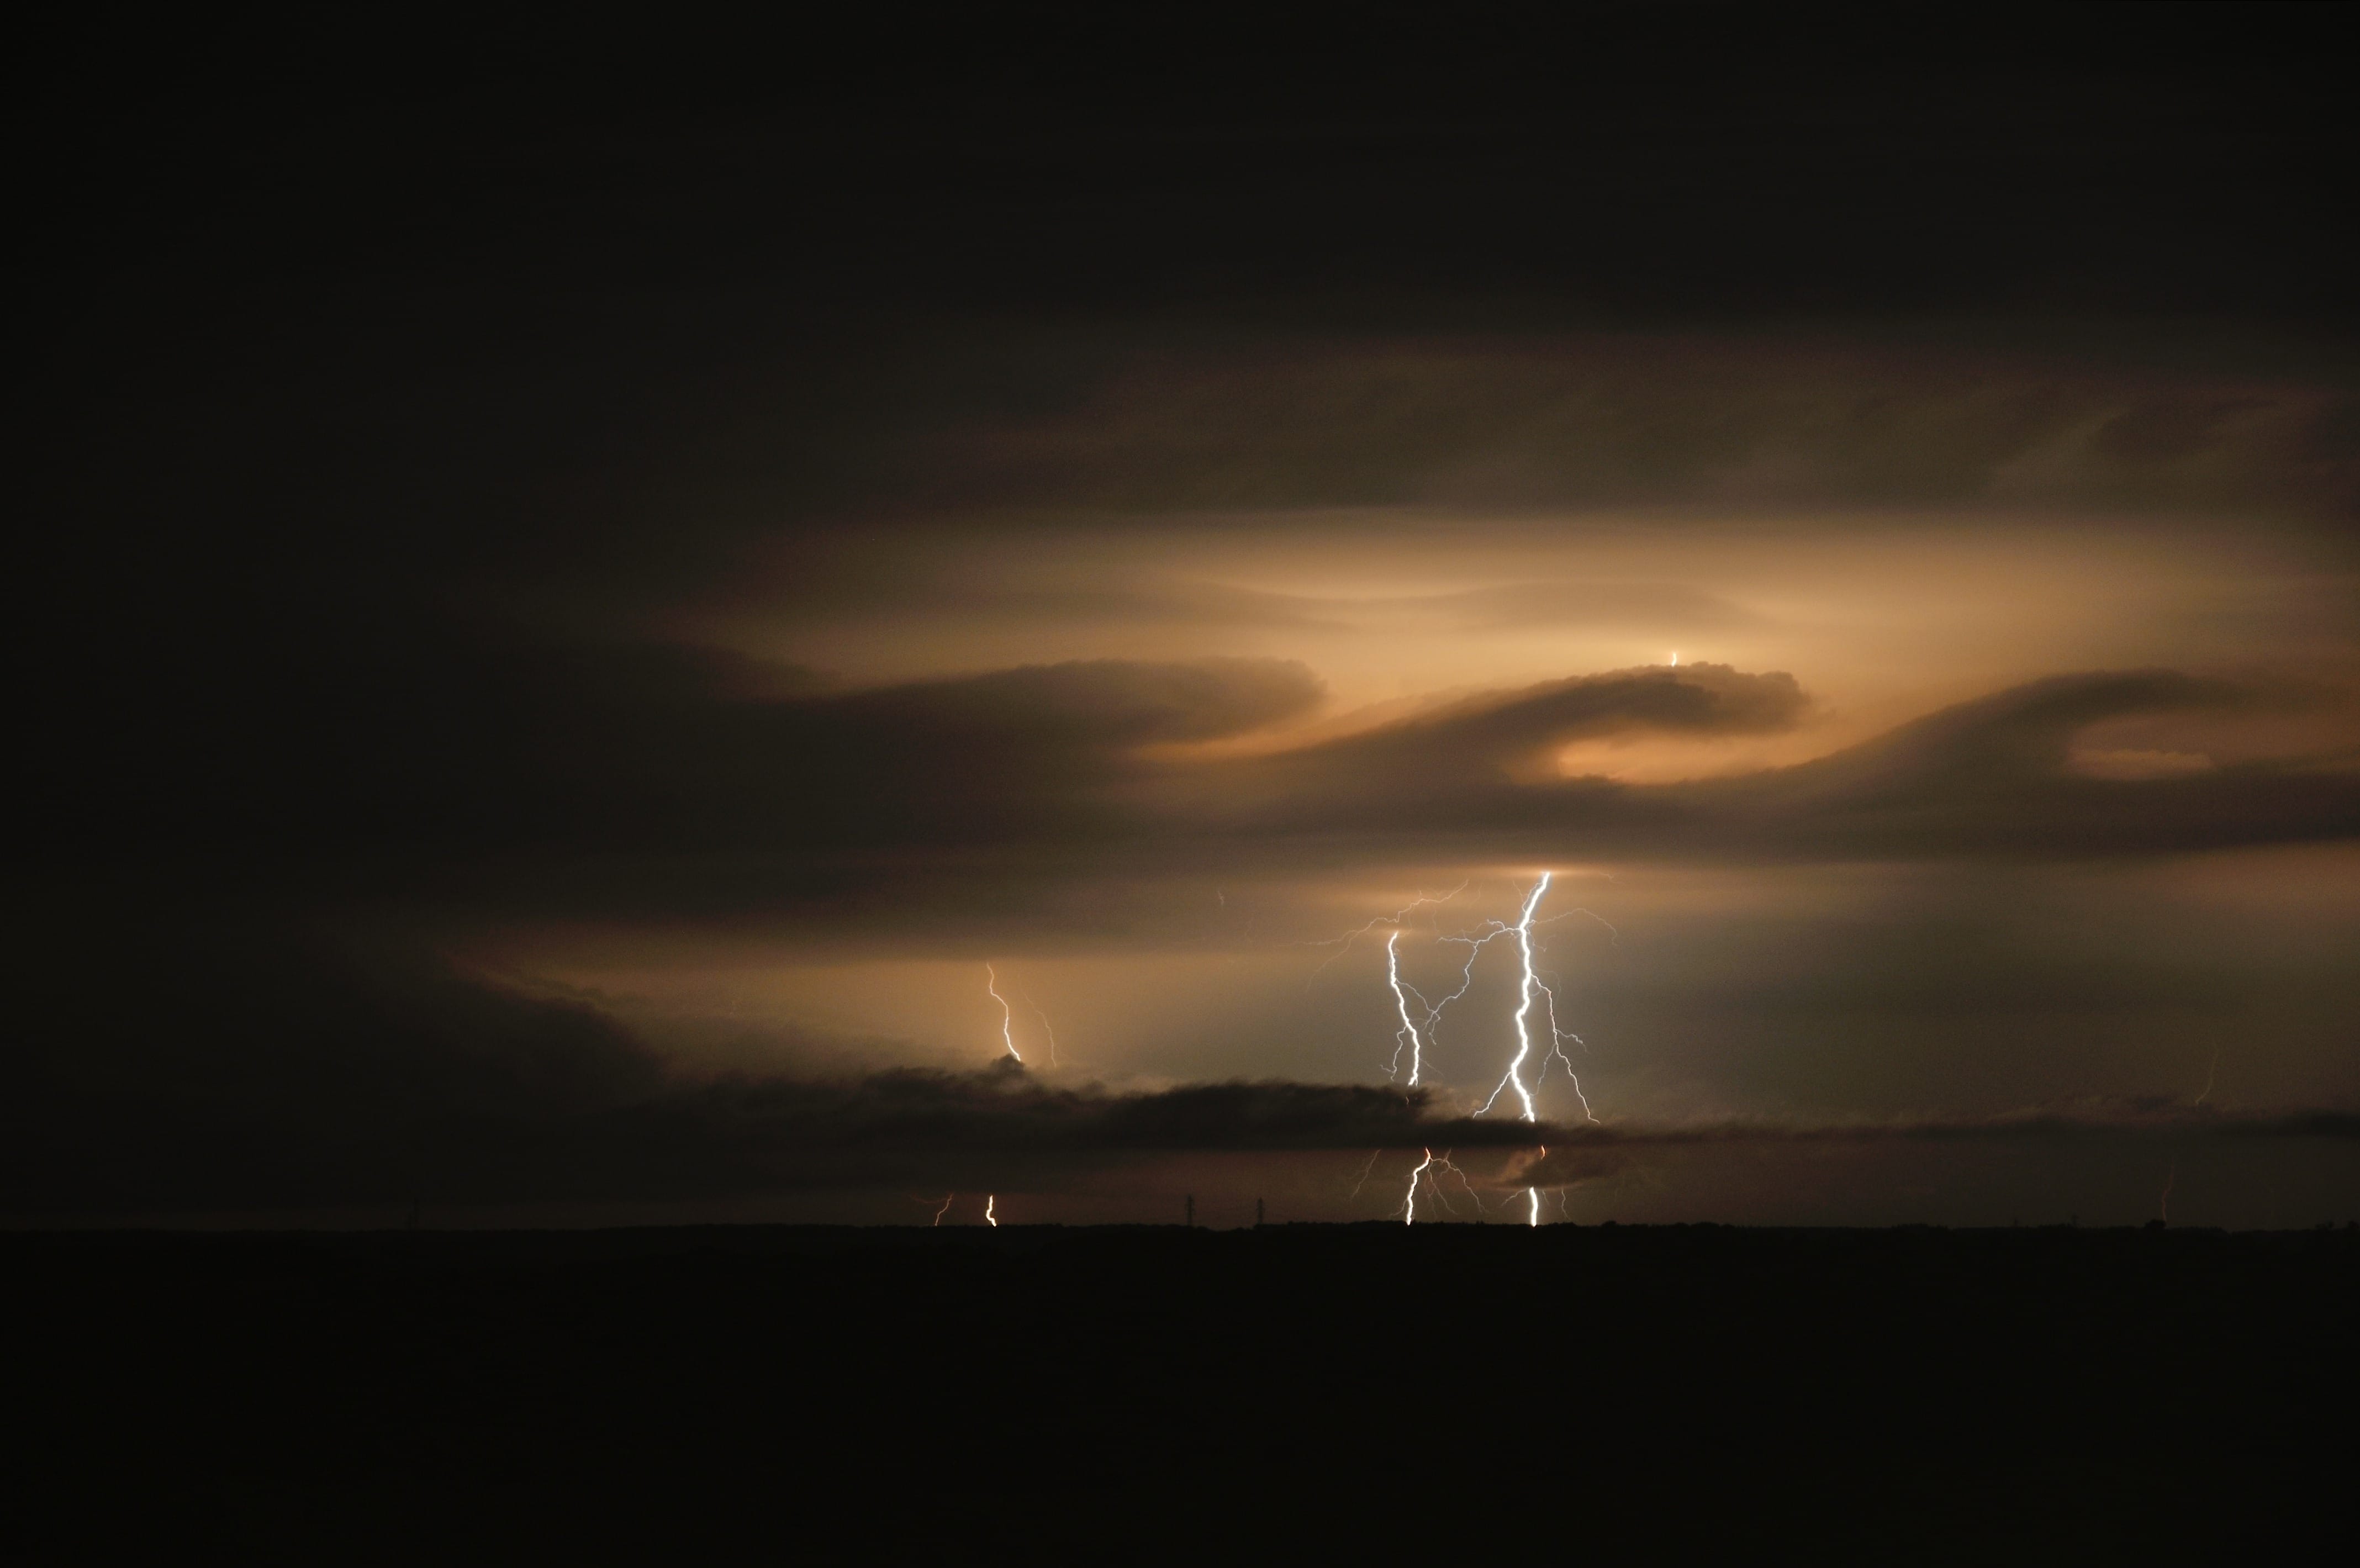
(379, 416)
(1583, 1153)
(275, 1073)
(249, 1068)
(448, 744)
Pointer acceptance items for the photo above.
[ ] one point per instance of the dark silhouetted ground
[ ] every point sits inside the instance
(1116, 1394)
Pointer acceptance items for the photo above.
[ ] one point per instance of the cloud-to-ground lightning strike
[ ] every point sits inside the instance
(1523, 1016)
(1406, 1038)
(1047, 1028)
(1532, 984)
(1409, 1199)
(947, 1198)
(990, 1203)
(1007, 1018)
(1522, 932)
(1532, 987)
(1514, 1075)
(1440, 1162)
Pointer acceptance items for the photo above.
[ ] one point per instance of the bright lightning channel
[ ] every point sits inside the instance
(1407, 1037)
(1515, 1074)
(988, 1218)
(1409, 1199)
(1532, 985)
(1431, 1161)
(1007, 1018)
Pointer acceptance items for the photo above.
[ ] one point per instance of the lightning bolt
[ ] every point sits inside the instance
(988, 1218)
(1409, 1199)
(1533, 988)
(1343, 943)
(1432, 1161)
(1515, 1077)
(1406, 1036)
(947, 1198)
(1047, 1027)
(2163, 1203)
(2210, 1073)
(1007, 1018)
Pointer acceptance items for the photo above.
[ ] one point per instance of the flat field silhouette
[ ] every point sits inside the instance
(1915, 1394)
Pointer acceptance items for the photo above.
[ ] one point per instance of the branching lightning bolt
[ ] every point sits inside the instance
(1515, 1077)
(1406, 1037)
(1532, 987)
(1343, 943)
(1440, 1162)
(1007, 1018)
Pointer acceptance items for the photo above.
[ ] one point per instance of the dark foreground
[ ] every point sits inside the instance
(1907, 1395)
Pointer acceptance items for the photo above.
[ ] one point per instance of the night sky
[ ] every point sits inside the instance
(589, 595)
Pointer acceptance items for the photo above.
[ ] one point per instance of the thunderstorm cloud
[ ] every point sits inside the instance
(558, 645)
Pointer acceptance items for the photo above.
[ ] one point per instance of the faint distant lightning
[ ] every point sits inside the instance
(947, 1198)
(1007, 1018)
(1047, 1027)
(988, 1218)
(2210, 1073)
